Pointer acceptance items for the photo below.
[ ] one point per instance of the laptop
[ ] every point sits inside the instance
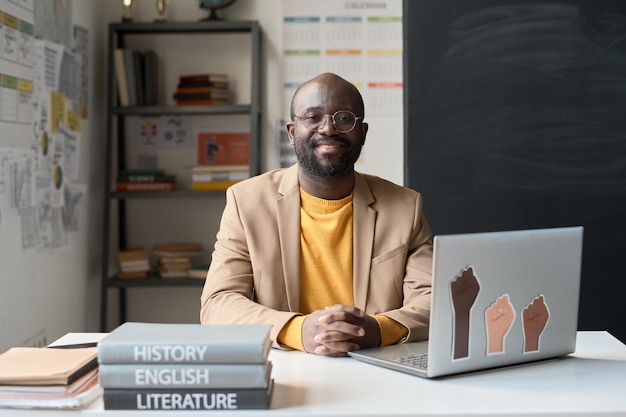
(498, 299)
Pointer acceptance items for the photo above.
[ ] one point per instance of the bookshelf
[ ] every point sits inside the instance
(116, 223)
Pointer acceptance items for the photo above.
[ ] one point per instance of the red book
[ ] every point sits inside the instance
(223, 86)
(202, 90)
(145, 186)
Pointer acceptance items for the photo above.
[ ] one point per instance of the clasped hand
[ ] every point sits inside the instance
(339, 329)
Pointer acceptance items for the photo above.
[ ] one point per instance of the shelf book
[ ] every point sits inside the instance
(202, 89)
(174, 267)
(134, 263)
(174, 259)
(150, 78)
(201, 102)
(201, 93)
(120, 77)
(145, 180)
(158, 366)
(212, 185)
(136, 77)
(215, 91)
(205, 173)
(138, 68)
(129, 68)
(145, 186)
(204, 78)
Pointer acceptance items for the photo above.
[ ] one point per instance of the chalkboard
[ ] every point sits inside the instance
(515, 118)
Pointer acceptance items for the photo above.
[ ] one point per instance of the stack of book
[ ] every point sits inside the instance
(202, 89)
(134, 263)
(217, 177)
(145, 180)
(136, 77)
(158, 366)
(49, 378)
(174, 259)
(223, 158)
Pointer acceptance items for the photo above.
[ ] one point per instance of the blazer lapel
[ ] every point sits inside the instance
(363, 234)
(288, 210)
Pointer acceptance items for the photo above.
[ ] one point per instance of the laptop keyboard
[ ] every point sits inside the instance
(415, 361)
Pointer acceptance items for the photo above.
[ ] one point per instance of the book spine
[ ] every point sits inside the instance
(128, 258)
(120, 77)
(202, 90)
(219, 176)
(146, 178)
(204, 78)
(232, 375)
(178, 247)
(139, 77)
(183, 352)
(133, 253)
(125, 268)
(212, 185)
(132, 275)
(150, 78)
(199, 169)
(190, 399)
(192, 96)
(201, 102)
(128, 172)
(144, 186)
(129, 65)
(203, 84)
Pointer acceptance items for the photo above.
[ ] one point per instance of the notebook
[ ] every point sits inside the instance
(498, 299)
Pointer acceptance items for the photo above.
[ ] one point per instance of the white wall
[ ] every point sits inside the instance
(47, 294)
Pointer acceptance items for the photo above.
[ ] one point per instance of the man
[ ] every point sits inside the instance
(333, 259)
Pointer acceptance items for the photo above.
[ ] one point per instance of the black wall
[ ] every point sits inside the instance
(515, 118)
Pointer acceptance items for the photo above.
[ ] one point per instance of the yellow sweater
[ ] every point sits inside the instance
(326, 266)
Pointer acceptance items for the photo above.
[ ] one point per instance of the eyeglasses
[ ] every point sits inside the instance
(343, 120)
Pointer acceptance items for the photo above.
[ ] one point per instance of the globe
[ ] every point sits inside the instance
(213, 5)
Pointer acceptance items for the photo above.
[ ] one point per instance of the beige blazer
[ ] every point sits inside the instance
(255, 266)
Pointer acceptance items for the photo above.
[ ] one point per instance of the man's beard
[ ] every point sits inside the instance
(312, 166)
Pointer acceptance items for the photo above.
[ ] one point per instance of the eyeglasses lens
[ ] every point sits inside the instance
(343, 120)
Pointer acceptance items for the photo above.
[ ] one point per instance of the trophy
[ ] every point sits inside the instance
(127, 16)
(161, 6)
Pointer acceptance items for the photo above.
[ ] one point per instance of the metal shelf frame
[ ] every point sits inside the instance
(115, 128)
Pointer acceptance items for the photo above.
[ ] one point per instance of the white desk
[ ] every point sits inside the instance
(591, 382)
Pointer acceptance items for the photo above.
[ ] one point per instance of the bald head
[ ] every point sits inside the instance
(332, 86)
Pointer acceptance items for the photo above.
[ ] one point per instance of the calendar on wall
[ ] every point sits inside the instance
(360, 41)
